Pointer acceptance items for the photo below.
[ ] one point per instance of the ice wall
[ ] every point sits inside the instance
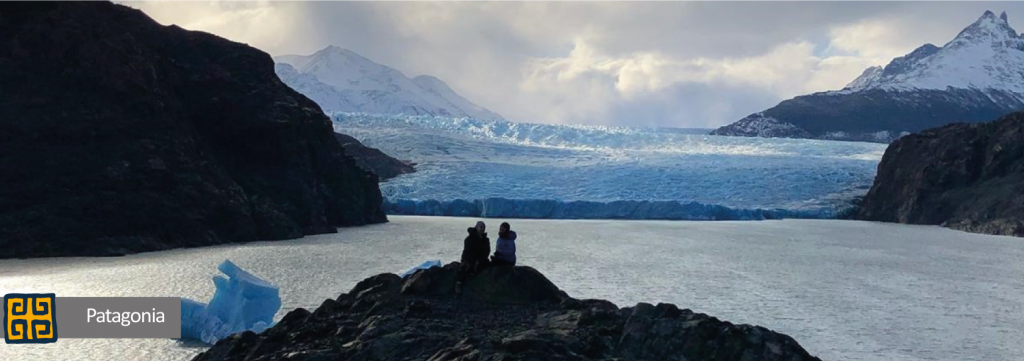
(550, 209)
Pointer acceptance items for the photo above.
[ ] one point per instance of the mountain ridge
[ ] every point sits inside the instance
(975, 77)
(341, 80)
(988, 39)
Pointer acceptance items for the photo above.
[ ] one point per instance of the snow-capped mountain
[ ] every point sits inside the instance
(977, 76)
(341, 80)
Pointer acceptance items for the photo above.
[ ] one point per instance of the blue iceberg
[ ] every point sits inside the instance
(424, 265)
(242, 302)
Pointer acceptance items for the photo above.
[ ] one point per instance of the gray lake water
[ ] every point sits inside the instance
(845, 290)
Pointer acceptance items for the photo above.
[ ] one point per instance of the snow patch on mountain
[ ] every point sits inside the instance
(324, 95)
(761, 125)
(340, 80)
(442, 91)
(975, 77)
(986, 55)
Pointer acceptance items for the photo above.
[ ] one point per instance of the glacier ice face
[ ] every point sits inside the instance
(424, 265)
(470, 167)
(552, 209)
(242, 302)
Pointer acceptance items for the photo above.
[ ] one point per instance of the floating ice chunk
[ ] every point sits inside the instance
(242, 302)
(424, 265)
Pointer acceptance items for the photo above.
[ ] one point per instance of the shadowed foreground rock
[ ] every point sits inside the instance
(504, 313)
(965, 176)
(120, 135)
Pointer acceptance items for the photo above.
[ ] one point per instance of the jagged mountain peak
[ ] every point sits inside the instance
(987, 55)
(976, 76)
(988, 27)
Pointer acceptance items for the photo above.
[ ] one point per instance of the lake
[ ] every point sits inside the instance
(846, 290)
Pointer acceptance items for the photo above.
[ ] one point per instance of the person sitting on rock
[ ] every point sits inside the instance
(505, 247)
(475, 249)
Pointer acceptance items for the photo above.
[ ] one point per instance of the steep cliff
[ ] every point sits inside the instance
(964, 176)
(120, 135)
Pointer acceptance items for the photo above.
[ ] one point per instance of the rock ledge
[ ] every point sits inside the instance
(504, 313)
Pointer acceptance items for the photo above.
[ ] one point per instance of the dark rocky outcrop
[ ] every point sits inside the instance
(964, 176)
(120, 135)
(372, 159)
(504, 313)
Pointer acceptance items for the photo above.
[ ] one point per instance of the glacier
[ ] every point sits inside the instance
(242, 302)
(491, 168)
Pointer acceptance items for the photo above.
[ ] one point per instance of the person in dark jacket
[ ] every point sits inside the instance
(475, 249)
(505, 247)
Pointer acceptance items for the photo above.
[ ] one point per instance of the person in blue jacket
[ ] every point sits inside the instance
(505, 249)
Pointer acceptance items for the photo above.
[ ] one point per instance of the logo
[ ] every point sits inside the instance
(30, 318)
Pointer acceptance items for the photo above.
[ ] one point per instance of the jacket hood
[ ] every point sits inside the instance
(511, 235)
(473, 232)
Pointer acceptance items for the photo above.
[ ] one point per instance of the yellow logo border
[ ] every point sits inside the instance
(52, 314)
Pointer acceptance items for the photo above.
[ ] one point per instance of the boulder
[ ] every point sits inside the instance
(496, 285)
(513, 285)
(433, 281)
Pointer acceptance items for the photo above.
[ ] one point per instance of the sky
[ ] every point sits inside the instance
(676, 64)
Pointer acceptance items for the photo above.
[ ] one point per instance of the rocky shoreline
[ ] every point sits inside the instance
(504, 313)
(968, 177)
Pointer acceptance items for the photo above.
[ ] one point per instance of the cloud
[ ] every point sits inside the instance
(663, 63)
